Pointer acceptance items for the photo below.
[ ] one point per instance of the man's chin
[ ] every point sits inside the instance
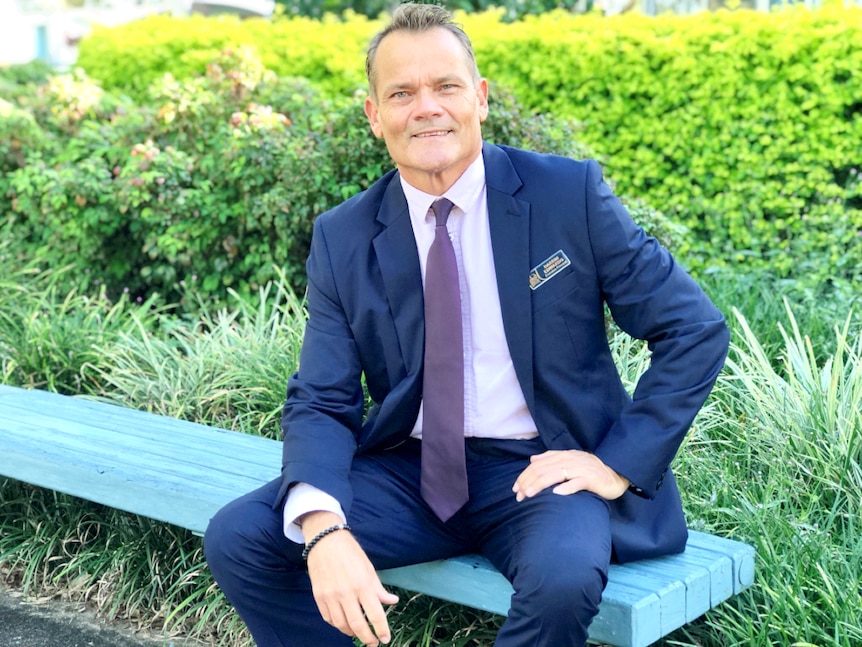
(434, 162)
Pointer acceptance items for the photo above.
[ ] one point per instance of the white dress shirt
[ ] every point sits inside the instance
(493, 401)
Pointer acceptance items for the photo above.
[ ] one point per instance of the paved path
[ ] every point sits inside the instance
(57, 624)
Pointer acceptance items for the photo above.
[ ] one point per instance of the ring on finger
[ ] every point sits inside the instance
(565, 475)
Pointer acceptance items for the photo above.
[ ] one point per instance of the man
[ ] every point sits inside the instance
(564, 471)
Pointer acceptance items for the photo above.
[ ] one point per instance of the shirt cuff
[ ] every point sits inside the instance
(302, 499)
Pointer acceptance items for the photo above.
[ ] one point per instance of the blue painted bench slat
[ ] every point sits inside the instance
(181, 473)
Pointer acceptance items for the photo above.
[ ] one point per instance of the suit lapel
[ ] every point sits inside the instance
(509, 220)
(395, 248)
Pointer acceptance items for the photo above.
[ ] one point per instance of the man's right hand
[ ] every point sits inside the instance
(345, 585)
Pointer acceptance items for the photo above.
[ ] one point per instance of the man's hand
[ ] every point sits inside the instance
(569, 471)
(346, 588)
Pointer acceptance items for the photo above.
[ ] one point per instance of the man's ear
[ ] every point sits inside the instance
(482, 94)
(373, 115)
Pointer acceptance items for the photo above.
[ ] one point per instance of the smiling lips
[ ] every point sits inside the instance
(433, 133)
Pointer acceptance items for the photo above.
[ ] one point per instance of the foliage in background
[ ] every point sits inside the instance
(226, 369)
(743, 126)
(205, 182)
(777, 460)
(300, 41)
(213, 181)
(329, 53)
(760, 296)
(512, 9)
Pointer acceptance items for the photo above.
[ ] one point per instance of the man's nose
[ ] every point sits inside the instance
(428, 103)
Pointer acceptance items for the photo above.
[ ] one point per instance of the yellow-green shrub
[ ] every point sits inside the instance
(747, 126)
(744, 126)
(131, 56)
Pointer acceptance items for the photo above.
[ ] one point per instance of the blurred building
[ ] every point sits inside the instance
(50, 29)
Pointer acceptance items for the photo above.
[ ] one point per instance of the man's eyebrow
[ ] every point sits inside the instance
(398, 86)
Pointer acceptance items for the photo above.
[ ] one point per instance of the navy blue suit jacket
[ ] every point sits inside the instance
(365, 307)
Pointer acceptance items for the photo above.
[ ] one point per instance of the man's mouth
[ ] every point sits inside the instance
(433, 133)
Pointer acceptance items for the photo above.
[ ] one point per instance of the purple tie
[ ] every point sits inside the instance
(444, 469)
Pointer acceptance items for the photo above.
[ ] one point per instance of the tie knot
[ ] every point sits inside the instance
(441, 209)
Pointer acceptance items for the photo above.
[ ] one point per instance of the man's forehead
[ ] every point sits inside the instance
(436, 38)
(403, 54)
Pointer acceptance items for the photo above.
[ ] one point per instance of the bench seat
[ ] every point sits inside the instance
(181, 473)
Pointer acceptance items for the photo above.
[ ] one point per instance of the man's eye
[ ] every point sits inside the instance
(399, 95)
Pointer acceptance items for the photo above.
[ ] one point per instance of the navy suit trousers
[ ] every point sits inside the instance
(554, 549)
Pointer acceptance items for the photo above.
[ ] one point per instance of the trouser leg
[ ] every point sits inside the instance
(555, 550)
(558, 578)
(262, 573)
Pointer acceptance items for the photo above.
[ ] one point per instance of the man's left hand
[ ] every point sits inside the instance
(569, 471)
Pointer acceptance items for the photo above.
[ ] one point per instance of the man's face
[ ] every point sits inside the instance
(428, 108)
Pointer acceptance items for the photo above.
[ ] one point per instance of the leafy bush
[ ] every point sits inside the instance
(304, 40)
(513, 9)
(184, 47)
(743, 126)
(214, 180)
(36, 71)
(195, 184)
(19, 134)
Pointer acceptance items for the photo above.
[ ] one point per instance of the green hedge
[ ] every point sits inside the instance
(131, 57)
(214, 180)
(512, 9)
(744, 126)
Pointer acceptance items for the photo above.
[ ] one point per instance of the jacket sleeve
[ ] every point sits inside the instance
(652, 298)
(324, 407)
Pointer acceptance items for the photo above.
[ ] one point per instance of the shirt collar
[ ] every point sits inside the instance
(463, 193)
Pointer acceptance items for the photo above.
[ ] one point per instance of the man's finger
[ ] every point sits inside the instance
(358, 626)
(570, 486)
(376, 617)
(545, 470)
(333, 615)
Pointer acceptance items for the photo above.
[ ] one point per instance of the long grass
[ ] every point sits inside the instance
(773, 459)
(227, 368)
(47, 333)
(761, 296)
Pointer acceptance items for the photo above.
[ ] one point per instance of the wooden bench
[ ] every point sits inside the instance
(181, 473)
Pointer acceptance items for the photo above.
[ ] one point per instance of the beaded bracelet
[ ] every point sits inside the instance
(321, 535)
